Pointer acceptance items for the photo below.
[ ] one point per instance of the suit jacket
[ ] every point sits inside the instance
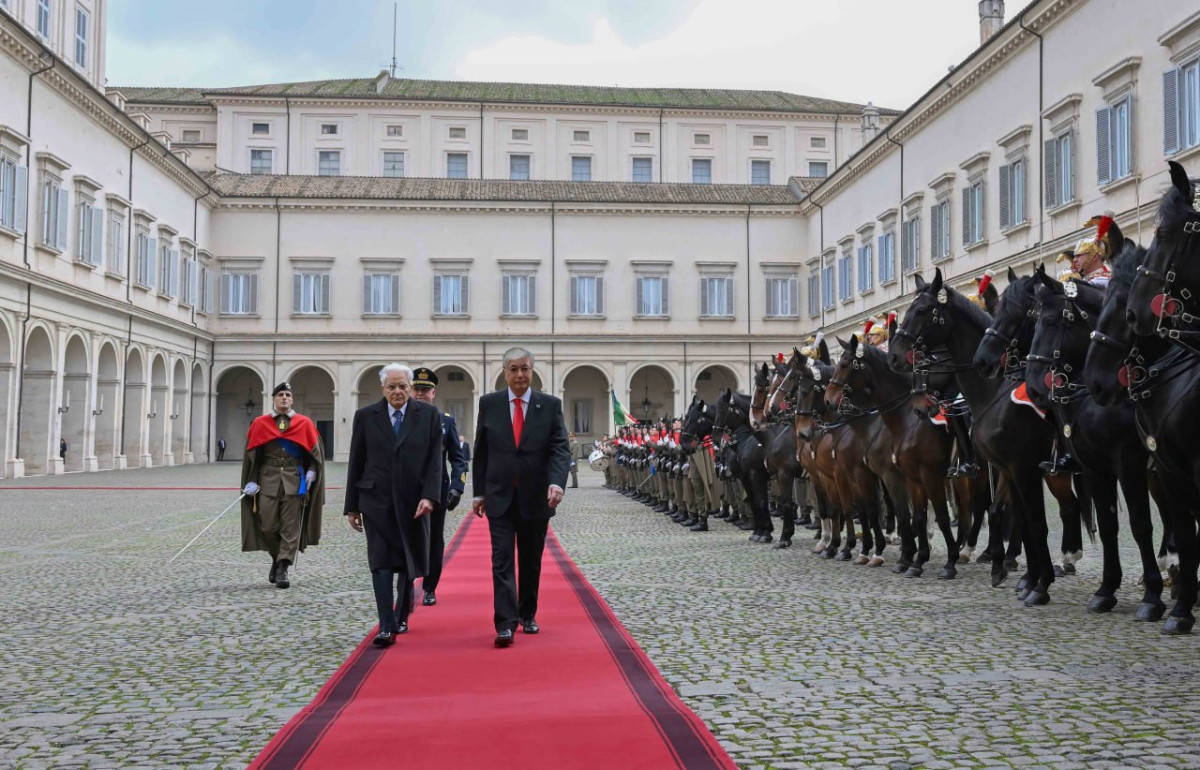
(456, 478)
(503, 471)
(466, 451)
(388, 475)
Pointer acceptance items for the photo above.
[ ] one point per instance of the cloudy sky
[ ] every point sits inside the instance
(885, 51)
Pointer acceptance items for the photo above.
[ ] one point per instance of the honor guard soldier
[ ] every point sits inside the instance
(283, 480)
(424, 385)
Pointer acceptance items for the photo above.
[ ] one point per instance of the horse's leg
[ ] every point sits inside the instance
(1179, 494)
(1104, 495)
(981, 501)
(905, 522)
(1072, 522)
(941, 513)
(1027, 482)
(1168, 556)
(920, 525)
(1137, 498)
(888, 492)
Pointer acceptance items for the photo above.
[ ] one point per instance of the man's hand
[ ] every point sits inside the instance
(251, 488)
(554, 496)
(478, 508)
(355, 520)
(452, 499)
(424, 508)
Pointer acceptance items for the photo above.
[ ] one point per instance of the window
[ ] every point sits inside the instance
(641, 137)
(716, 296)
(652, 296)
(117, 243)
(450, 295)
(90, 235)
(910, 244)
(760, 140)
(206, 290)
(816, 142)
(81, 38)
(329, 129)
(846, 275)
(814, 294)
(518, 295)
(972, 222)
(188, 282)
(1114, 148)
(782, 297)
(456, 377)
(329, 163)
(520, 134)
(168, 268)
(1059, 171)
(518, 166)
(310, 293)
(887, 258)
(866, 267)
(458, 132)
(239, 293)
(702, 140)
(55, 203)
(260, 129)
(760, 172)
(818, 168)
(14, 194)
(581, 416)
(43, 18)
(701, 171)
(381, 294)
(939, 231)
(581, 136)
(393, 163)
(1012, 195)
(827, 278)
(456, 165)
(147, 258)
(1181, 107)
(581, 168)
(191, 135)
(587, 295)
(395, 130)
(262, 161)
(643, 169)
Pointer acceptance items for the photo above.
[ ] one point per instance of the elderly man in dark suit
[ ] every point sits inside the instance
(520, 470)
(392, 484)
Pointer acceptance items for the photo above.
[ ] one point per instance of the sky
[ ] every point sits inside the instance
(885, 51)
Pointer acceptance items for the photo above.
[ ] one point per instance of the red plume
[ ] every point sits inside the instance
(868, 327)
(984, 283)
(779, 357)
(891, 318)
(1102, 227)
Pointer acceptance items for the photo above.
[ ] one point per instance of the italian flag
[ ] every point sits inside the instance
(621, 415)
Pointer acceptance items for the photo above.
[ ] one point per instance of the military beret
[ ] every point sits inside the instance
(423, 377)
(285, 385)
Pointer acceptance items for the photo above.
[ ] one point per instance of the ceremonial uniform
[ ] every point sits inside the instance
(283, 475)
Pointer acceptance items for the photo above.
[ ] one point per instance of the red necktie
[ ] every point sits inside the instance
(518, 420)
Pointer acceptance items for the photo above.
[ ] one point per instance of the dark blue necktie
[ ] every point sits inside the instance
(397, 420)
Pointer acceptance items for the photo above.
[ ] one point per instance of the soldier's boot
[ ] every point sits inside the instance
(701, 525)
(281, 575)
(274, 571)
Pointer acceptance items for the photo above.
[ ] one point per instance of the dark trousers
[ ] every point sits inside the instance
(392, 613)
(530, 537)
(437, 548)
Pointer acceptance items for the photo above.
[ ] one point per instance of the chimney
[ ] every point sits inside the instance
(381, 81)
(870, 122)
(991, 19)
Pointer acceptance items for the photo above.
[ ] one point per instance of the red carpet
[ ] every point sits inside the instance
(581, 694)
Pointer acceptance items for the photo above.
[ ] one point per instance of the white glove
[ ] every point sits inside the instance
(310, 477)
(251, 488)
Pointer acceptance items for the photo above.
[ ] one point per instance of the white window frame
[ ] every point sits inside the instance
(783, 296)
(168, 267)
(89, 236)
(14, 193)
(757, 165)
(1014, 206)
(655, 303)
(702, 139)
(329, 160)
(310, 292)
(974, 224)
(939, 231)
(865, 254)
(823, 163)
(1059, 164)
(390, 157)
(575, 172)
(717, 296)
(381, 293)
(456, 132)
(55, 212)
(587, 295)
(454, 307)
(517, 159)
(845, 274)
(633, 174)
(239, 293)
(329, 129)
(518, 295)
(519, 135)
(394, 131)
(1114, 140)
(466, 169)
(117, 251)
(43, 18)
(829, 282)
(254, 124)
(270, 160)
(82, 18)
(638, 140)
(887, 256)
(814, 293)
(581, 136)
(766, 140)
(817, 142)
(699, 164)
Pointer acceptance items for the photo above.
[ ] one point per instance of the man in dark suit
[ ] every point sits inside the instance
(393, 482)
(466, 448)
(520, 470)
(424, 386)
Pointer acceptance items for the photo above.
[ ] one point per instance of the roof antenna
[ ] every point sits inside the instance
(394, 25)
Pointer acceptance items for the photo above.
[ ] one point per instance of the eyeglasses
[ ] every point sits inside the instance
(519, 369)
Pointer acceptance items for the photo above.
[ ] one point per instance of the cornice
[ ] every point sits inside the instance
(484, 207)
(182, 109)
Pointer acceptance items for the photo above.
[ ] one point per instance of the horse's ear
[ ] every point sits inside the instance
(853, 343)
(1040, 269)
(842, 343)
(1179, 179)
(937, 280)
(919, 282)
(823, 350)
(1012, 274)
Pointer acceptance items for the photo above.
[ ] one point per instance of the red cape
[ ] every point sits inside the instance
(263, 430)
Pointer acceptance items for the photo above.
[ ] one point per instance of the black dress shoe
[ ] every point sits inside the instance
(384, 639)
(504, 638)
(274, 571)
(402, 627)
(281, 575)
(529, 626)
(429, 599)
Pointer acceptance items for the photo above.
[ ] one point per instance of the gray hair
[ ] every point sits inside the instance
(512, 354)
(394, 369)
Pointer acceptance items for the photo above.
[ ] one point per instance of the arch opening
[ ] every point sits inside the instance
(587, 403)
(37, 403)
(651, 393)
(240, 398)
(711, 380)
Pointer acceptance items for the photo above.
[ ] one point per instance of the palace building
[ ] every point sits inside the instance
(168, 254)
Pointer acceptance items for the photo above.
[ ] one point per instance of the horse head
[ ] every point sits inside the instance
(1117, 359)
(1168, 279)
(850, 375)
(1066, 313)
(697, 425)
(758, 404)
(1009, 335)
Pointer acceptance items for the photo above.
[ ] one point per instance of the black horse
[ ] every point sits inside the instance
(733, 418)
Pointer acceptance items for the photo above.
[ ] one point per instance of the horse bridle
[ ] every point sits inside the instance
(1168, 308)
(1059, 377)
(1012, 349)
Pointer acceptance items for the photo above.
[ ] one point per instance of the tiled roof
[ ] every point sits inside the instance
(387, 188)
(513, 93)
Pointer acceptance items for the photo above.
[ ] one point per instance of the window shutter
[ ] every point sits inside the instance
(967, 219)
(532, 295)
(1171, 112)
(21, 207)
(193, 282)
(297, 292)
(324, 281)
(97, 236)
(464, 294)
(437, 294)
(1050, 169)
(252, 293)
(1104, 145)
(174, 272)
(64, 215)
(729, 297)
(395, 294)
(226, 291)
(574, 295)
(151, 260)
(793, 297)
(599, 295)
(1006, 219)
(935, 233)
(505, 294)
(704, 290)
(368, 306)
(666, 307)
(641, 309)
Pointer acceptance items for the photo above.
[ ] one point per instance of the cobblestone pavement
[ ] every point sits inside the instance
(111, 658)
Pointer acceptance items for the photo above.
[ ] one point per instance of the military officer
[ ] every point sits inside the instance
(283, 479)
(424, 386)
